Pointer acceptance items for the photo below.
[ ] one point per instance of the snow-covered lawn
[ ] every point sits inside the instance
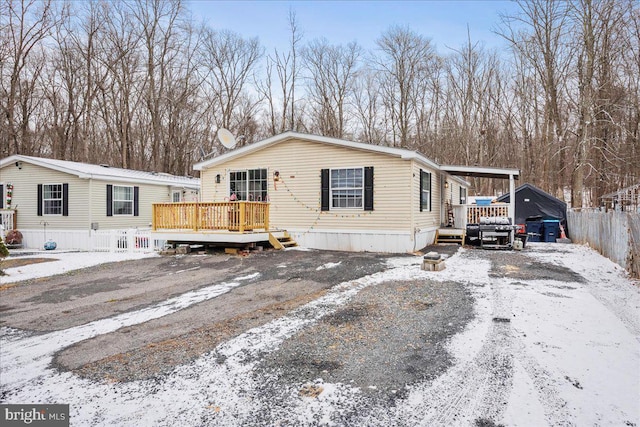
(572, 348)
(63, 262)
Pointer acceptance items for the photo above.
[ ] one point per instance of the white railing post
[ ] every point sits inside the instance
(131, 240)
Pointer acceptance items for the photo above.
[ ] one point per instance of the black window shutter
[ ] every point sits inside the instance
(368, 188)
(430, 193)
(65, 199)
(39, 199)
(324, 185)
(136, 194)
(421, 189)
(109, 200)
(1, 196)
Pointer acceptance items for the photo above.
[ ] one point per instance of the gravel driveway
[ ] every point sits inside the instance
(312, 338)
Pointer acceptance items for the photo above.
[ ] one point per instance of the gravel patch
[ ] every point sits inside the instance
(389, 336)
(520, 266)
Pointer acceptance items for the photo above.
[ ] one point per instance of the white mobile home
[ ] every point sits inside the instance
(69, 199)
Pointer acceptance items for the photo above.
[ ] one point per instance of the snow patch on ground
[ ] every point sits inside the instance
(63, 263)
(571, 350)
(329, 265)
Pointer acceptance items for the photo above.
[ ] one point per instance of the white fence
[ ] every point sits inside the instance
(132, 240)
(615, 235)
(125, 241)
(7, 218)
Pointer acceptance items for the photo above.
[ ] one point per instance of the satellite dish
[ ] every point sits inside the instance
(226, 138)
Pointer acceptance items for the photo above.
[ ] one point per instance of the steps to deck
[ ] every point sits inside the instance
(449, 235)
(285, 241)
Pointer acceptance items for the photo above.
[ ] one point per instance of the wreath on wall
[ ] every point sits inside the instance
(9, 195)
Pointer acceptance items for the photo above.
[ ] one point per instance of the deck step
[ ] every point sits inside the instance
(286, 241)
(450, 235)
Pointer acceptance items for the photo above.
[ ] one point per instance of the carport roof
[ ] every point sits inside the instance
(481, 171)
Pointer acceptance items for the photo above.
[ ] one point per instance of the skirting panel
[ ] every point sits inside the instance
(65, 239)
(363, 241)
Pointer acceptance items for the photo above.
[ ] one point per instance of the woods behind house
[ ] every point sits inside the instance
(141, 84)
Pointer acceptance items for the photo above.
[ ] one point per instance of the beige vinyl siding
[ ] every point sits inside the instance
(148, 194)
(25, 197)
(87, 200)
(426, 219)
(295, 200)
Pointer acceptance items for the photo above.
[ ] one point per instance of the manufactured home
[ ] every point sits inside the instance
(65, 201)
(324, 193)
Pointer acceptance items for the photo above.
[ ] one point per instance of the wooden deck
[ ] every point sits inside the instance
(211, 216)
(234, 223)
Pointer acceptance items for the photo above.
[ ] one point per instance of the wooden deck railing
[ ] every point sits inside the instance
(202, 216)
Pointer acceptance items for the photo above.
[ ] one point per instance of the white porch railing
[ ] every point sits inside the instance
(8, 218)
(471, 214)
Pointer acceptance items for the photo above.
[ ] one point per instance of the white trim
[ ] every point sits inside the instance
(61, 199)
(113, 200)
(341, 209)
(128, 175)
(228, 177)
(505, 172)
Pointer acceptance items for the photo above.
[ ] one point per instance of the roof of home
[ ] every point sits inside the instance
(289, 135)
(105, 172)
(397, 152)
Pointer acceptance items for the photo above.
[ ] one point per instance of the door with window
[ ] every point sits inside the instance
(248, 185)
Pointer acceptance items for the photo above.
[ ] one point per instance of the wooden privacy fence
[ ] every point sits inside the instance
(203, 216)
(615, 235)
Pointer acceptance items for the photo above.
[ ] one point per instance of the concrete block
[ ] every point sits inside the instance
(231, 251)
(434, 256)
(431, 266)
(183, 249)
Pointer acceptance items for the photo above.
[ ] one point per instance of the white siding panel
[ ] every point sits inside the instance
(87, 200)
(25, 197)
(426, 220)
(148, 194)
(65, 239)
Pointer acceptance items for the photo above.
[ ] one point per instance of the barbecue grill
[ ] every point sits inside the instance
(496, 232)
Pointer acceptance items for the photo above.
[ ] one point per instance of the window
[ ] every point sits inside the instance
(425, 191)
(347, 188)
(350, 188)
(122, 200)
(176, 196)
(463, 196)
(248, 185)
(52, 199)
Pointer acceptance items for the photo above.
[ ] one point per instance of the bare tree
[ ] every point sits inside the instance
(279, 90)
(230, 63)
(332, 73)
(404, 59)
(24, 26)
(537, 35)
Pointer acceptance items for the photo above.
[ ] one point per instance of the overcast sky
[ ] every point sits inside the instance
(445, 22)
